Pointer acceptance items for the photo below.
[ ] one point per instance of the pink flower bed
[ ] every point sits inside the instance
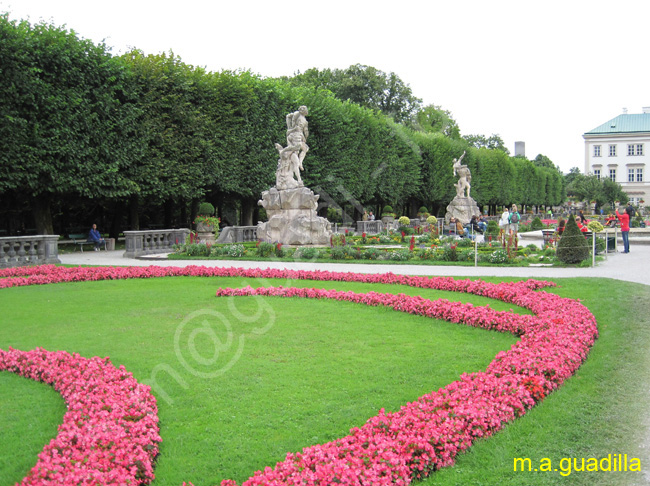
(427, 434)
(109, 434)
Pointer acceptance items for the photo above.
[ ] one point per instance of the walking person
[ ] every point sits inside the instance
(624, 218)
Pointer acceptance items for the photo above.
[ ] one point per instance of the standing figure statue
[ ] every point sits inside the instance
(291, 156)
(464, 177)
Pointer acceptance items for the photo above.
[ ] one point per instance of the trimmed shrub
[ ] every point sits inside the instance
(404, 220)
(206, 209)
(572, 247)
(536, 224)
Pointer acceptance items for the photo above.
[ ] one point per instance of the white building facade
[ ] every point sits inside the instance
(620, 150)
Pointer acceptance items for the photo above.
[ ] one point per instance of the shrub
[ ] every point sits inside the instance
(404, 221)
(432, 220)
(594, 226)
(573, 246)
(235, 251)
(307, 253)
(407, 230)
(399, 255)
(388, 210)
(498, 256)
(206, 209)
(196, 249)
(337, 239)
(371, 254)
(536, 224)
(492, 228)
(449, 254)
(265, 249)
(423, 209)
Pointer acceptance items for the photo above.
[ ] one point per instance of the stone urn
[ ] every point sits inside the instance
(205, 233)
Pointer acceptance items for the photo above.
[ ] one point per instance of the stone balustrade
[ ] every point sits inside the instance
(148, 242)
(237, 234)
(370, 227)
(16, 251)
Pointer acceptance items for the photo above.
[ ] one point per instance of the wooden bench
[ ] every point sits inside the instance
(81, 239)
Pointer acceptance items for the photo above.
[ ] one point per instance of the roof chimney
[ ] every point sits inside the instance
(646, 109)
(520, 149)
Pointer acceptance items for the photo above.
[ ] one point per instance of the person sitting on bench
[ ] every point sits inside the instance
(96, 238)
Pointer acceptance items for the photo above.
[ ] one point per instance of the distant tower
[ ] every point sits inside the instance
(520, 149)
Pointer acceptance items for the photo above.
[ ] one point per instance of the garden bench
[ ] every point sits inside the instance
(81, 239)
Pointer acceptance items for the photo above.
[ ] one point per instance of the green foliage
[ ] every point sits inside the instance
(206, 209)
(572, 247)
(536, 224)
(366, 86)
(492, 228)
(265, 249)
(404, 220)
(307, 253)
(498, 256)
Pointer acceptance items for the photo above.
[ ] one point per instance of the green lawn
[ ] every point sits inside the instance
(299, 372)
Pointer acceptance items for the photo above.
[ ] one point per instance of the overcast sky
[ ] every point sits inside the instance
(539, 72)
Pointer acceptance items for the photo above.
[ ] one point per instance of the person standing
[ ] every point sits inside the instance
(515, 217)
(625, 229)
(504, 224)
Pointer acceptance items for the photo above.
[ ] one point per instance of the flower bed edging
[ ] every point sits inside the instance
(427, 434)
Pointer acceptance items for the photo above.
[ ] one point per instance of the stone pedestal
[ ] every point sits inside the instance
(462, 208)
(292, 218)
(205, 232)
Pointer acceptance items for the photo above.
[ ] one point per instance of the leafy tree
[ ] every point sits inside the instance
(365, 85)
(574, 172)
(433, 119)
(68, 119)
(493, 142)
(612, 192)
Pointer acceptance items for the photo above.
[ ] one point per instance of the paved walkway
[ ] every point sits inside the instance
(632, 267)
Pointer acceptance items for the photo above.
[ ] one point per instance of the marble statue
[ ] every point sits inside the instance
(291, 156)
(462, 207)
(291, 207)
(464, 177)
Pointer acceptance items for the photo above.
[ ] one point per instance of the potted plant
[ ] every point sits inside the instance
(207, 225)
(387, 215)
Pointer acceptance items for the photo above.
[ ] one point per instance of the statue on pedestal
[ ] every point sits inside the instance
(462, 207)
(464, 177)
(290, 206)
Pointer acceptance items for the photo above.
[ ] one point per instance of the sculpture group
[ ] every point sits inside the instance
(290, 206)
(291, 156)
(462, 207)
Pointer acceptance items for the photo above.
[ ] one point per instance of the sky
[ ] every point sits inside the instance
(539, 72)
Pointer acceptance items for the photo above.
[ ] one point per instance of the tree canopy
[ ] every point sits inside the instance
(145, 138)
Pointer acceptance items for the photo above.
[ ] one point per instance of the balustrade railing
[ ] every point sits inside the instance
(16, 251)
(148, 242)
(237, 234)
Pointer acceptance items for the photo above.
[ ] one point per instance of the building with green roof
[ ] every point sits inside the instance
(620, 149)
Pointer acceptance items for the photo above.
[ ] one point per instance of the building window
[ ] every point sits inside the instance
(612, 174)
(597, 173)
(635, 149)
(630, 175)
(612, 150)
(639, 175)
(596, 150)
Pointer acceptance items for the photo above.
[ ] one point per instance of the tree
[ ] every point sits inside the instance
(366, 86)
(544, 161)
(68, 119)
(572, 247)
(433, 119)
(493, 142)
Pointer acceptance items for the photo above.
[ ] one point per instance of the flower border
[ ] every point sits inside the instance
(427, 434)
(109, 433)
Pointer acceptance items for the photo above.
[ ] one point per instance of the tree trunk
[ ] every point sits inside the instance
(134, 214)
(42, 214)
(118, 211)
(247, 207)
(169, 213)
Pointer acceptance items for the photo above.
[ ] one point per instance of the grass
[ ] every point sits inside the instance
(310, 370)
